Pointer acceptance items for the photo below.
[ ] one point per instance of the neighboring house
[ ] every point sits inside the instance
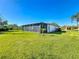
(37, 27)
(69, 28)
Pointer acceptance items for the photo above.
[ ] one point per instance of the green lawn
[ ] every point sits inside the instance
(27, 45)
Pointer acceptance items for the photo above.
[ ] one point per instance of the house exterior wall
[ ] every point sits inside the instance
(35, 28)
(40, 27)
(51, 28)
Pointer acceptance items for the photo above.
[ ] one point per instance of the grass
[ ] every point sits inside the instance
(27, 45)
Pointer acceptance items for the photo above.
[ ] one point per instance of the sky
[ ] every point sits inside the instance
(32, 11)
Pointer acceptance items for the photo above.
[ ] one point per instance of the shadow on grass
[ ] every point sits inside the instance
(2, 32)
(59, 32)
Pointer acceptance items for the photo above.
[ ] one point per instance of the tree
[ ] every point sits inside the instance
(76, 18)
(55, 24)
(5, 22)
(13, 27)
(1, 21)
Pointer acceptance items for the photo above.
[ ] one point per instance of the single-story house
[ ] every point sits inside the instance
(40, 27)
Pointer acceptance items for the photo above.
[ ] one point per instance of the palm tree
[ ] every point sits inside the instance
(76, 18)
